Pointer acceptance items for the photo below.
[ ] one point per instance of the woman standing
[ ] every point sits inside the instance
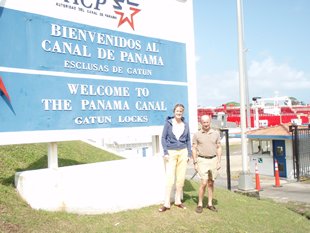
(177, 151)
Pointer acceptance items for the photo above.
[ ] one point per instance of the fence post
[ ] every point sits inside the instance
(296, 142)
(227, 158)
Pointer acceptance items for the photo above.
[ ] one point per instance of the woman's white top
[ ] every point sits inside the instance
(177, 128)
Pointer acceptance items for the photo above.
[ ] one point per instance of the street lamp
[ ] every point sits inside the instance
(245, 179)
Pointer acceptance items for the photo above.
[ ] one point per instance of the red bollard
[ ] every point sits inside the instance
(257, 179)
(276, 174)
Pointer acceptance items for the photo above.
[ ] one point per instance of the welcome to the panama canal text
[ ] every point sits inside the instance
(106, 104)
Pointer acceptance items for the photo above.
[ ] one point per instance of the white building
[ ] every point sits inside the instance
(268, 145)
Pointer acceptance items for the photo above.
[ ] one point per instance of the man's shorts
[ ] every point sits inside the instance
(204, 165)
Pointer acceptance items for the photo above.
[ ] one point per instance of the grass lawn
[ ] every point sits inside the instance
(237, 213)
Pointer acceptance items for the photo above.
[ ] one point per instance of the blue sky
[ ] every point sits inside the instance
(277, 37)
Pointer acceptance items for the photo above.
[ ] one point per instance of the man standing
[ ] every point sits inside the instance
(207, 152)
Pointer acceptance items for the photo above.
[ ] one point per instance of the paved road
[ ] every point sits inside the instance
(289, 191)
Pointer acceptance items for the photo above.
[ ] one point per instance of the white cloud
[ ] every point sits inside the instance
(266, 78)
(216, 89)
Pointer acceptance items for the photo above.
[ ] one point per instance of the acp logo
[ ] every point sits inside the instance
(124, 9)
(133, 10)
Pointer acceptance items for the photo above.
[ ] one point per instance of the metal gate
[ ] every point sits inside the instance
(301, 151)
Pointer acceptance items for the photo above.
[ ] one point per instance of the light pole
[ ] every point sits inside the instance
(245, 179)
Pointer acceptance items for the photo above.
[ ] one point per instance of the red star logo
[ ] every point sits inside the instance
(124, 19)
(3, 90)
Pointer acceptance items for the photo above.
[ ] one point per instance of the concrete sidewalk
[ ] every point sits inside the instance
(289, 190)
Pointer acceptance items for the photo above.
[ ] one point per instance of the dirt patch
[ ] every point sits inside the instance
(300, 208)
(9, 227)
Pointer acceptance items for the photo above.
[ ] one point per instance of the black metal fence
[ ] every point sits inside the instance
(301, 151)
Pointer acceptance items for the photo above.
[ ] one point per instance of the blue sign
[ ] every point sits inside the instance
(58, 74)
(30, 41)
(41, 102)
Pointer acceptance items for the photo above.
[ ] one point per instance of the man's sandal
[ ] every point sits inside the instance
(212, 208)
(199, 209)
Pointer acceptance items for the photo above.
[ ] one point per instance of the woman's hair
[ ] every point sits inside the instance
(178, 105)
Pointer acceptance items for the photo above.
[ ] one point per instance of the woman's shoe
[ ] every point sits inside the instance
(163, 209)
(181, 206)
